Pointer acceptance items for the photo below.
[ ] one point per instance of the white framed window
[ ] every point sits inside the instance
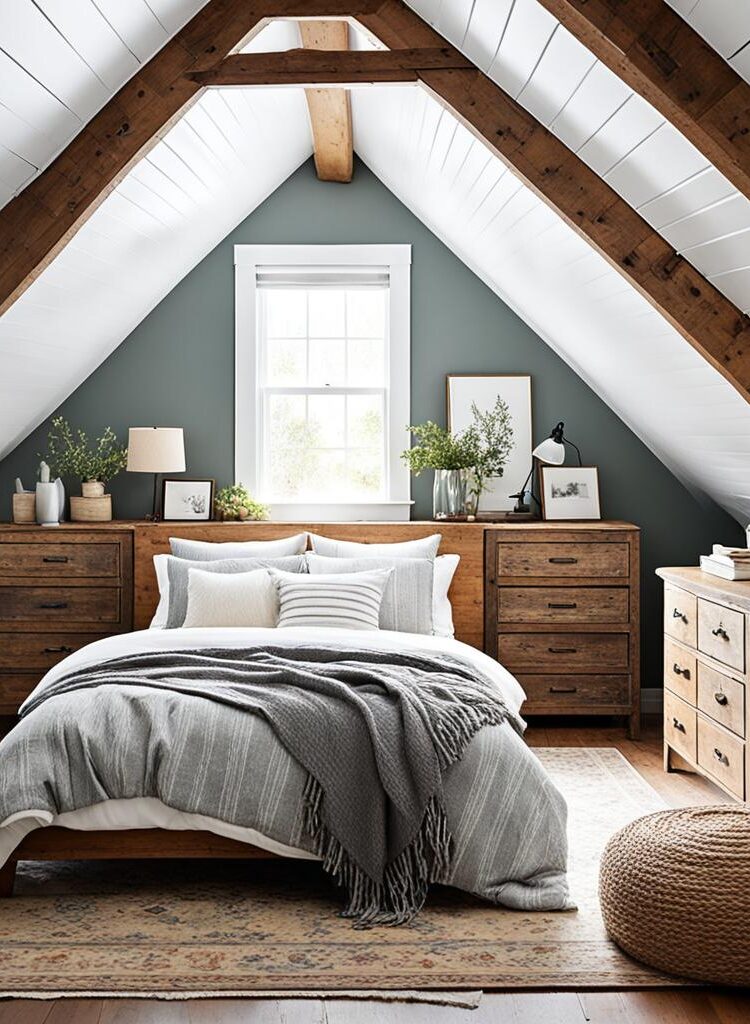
(322, 379)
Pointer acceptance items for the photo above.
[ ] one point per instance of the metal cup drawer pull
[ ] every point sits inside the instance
(720, 631)
(681, 671)
(552, 604)
(563, 561)
(677, 724)
(562, 650)
(677, 614)
(54, 558)
(721, 758)
(721, 698)
(54, 604)
(58, 650)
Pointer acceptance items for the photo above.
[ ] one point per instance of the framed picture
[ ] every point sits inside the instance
(185, 499)
(462, 391)
(570, 492)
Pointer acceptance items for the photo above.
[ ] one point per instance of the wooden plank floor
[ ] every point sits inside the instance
(632, 1007)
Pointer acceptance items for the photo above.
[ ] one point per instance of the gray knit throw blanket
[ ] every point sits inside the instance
(375, 731)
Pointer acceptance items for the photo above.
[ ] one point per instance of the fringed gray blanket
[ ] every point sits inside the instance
(374, 730)
(397, 768)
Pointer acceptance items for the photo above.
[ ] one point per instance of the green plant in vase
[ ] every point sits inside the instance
(93, 462)
(235, 503)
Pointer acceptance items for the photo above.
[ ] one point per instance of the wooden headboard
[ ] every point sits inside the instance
(464, 539)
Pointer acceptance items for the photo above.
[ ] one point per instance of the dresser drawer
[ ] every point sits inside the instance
(680, 725)
(563, 604)
(721, 698)
(60, 604)
(680, 671)
(563, 651)
(722, 756)
(25, 651)
(681, 615)
(15, 688)
(59, 560)
(721, 633)
(548, 693)
(584, 558)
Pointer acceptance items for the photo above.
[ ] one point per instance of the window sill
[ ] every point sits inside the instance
(340, 511)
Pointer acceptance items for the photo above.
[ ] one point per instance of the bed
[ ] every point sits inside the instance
(108, 769)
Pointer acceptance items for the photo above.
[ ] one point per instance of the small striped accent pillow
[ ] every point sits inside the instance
(338, 601)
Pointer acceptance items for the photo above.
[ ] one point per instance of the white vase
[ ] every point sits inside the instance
(47, 504)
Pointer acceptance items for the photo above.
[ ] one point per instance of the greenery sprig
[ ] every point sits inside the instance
(70, 453)
(235, 503)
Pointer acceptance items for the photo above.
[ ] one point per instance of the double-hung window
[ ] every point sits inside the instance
(322, 379)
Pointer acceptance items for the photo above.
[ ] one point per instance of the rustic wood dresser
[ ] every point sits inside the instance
(706, 673)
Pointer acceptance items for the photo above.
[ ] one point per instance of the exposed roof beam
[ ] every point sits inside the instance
(37, 223)
(330, 109)
(649, 46)
(329, 67)
(706, 318)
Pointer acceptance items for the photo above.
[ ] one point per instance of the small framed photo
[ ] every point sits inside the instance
(570, 492)
(183, 499)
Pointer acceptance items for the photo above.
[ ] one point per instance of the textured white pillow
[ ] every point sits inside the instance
(442, 611)
(237, 599)
(338, 601)
(209, 551)
(161, 563)
(425, 547)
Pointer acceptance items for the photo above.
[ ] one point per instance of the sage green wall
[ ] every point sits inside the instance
(176, 368)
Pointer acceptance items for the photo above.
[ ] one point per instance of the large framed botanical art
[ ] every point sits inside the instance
(463, 391)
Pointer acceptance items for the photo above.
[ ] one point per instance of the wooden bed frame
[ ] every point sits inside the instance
(57, 844)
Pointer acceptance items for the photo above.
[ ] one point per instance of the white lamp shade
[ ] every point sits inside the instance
(550, 451)
(156, 450)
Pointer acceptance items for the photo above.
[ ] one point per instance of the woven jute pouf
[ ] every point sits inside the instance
(675, 892)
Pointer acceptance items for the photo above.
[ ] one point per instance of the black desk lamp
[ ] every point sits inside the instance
(551, 451)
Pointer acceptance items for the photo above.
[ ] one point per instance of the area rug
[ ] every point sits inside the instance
(213, 927)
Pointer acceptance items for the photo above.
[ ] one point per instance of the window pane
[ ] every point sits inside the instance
(327, 416)
(286, 360)
(365, 313)
(327, 362)
(366, 474)
(366, 362)
(327, 313)
(365, 421)
(285, 312)
(291, 443)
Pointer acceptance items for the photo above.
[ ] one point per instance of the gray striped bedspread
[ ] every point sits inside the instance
(123, 742)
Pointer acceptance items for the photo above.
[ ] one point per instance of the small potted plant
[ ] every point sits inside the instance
(94, 463)
(463, 462)
(234, 503)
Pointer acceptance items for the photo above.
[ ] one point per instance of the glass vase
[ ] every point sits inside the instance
(448, 493)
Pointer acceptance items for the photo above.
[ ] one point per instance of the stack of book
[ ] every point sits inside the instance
(729, 563)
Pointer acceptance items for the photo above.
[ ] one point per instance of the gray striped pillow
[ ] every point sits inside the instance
(339, 601)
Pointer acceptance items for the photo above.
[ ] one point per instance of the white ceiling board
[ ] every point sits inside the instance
(135, 24)
(725, 24)
(14, 171)
(658, 164)
(92, 37)
(527, 34)
(561, 70)
(702, 191)
(174, 13)
(736, 285)
(598, 97)
(631, 123)
(719, 219)
(481, 39)
(722, 255)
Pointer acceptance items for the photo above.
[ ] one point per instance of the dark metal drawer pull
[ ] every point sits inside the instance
(681, 671)
(55, 558)
(720, 631)
(551, 604)
(562, 650)
(563, 561)
(563, 689)
(677, 614)
(58, 650)
(678, 725)
(722, 758)
(721, 698)
(54, 604)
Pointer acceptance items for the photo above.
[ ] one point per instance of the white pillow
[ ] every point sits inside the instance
(338, 601)
(241, 599)
(161, 563)
(209, 551)
(442, 611)
(425, 547)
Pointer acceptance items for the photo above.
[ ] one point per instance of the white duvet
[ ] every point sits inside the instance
(146, 812)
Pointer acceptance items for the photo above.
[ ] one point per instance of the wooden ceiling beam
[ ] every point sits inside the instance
(328, 67)
(651, 48)
(330, 109)
(707, 319)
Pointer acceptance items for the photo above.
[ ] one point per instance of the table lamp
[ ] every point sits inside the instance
(156, 450)
(551, 451)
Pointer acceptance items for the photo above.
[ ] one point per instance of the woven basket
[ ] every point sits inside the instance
(24, 508)
(91, 510)
(675, 892)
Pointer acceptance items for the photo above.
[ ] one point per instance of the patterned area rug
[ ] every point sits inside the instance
(213, 927)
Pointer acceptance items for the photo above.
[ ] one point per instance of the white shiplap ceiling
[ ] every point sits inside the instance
(235, 146)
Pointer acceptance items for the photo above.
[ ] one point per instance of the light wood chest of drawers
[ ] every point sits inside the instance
(706, 675)
(60, 589)
(562, 614)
